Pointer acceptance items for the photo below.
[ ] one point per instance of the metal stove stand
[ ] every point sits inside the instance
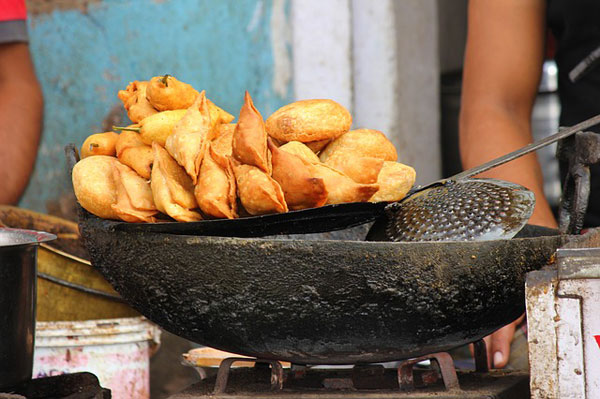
(268, 379)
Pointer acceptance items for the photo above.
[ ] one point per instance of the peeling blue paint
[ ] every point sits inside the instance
(83, 59)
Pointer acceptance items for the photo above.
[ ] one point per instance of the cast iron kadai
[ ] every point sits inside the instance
(320, 302)
(470, 209)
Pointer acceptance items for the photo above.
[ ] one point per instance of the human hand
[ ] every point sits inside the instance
(498, 344)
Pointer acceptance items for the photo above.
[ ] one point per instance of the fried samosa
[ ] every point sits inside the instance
(99, 144)
(135, 102)
(250, 138)
(134, 196)
(94, 185)
(190, 137)
(360, 169)
(341, 188)
(132, 152)
(167, 93)
(223, 129)
(301, 150)
(300, 188)
(172, 188)
(223, 143)
(218, 115)
(258, 192)
(361, 143)
(216, 188)
(395, 181)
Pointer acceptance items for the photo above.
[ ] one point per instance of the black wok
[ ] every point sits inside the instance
(318, 302)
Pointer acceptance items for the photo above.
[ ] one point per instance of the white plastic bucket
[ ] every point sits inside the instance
(117, 351)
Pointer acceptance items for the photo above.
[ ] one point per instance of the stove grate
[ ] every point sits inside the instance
(268, 379)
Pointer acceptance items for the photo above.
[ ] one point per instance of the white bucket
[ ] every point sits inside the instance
(117, 351)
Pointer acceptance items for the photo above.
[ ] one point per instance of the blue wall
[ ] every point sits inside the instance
(83, 58)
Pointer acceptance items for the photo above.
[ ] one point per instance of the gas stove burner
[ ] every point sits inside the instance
(268, 379)
(71, 386)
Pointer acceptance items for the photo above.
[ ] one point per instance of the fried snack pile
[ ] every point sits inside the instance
(184, 158)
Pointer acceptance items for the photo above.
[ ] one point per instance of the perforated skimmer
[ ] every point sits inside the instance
(465, 210)
(459, 208)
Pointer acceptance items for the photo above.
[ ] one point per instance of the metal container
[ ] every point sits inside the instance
(117, 351)
(68, 287)
(18, 255)
(563, 305)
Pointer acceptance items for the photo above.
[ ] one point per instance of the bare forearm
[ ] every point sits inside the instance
(503, 61)
(20, 122)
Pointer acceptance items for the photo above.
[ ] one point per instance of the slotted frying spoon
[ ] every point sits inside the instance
(459, 208)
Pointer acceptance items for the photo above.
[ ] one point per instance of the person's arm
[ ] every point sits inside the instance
(503, 60)
(21, 107)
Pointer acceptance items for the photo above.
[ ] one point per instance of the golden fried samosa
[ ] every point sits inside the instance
(395, 181)
(99, 144)
(94, 185)
(341, 188)
(167, 93)
(224, 128)
(216, 188)
(360, 143)
(134, 196)
(250, 138)
(300, 188)
(360, 169)
(132, 152)
(172, 188)
(223, 144)
(258, 192)
(301, 150)
(218, 115)
(190, 137)
(135, 102)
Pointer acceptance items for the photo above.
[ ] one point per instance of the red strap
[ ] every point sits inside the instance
(597, 339)
(12, 10)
